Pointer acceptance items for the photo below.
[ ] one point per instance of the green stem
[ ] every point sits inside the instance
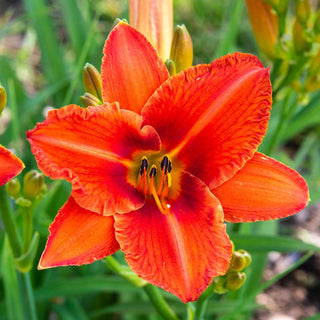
(27, 228)
(124, 271)
(159, 303)
(30, 296)
(292, 74)
(153, 293)
(9, 222)
(201, 304)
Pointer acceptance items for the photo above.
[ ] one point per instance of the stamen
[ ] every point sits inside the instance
(152, 174)
(164, 163)
(153, 171)
(163, 209)
(143, 184)
(169, 167)
(161, 181)
(144, 165)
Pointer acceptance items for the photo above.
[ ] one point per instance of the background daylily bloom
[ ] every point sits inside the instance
(264, 24)
(162, 163)
(154, 19)
(10, 165)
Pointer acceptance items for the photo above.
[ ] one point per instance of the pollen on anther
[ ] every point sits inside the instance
(169, 167)
(153, 171)
(164, 163)
(144, 165)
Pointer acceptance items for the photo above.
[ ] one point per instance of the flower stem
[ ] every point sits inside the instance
(124, 271)
(153, 293)
(159, 302)
(202, 302)
(9, 222)
(27, 228)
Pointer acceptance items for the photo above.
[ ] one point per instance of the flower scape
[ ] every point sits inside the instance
(159, 167)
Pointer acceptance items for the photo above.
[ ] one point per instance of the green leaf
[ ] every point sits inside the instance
(70, 310)
(83, 285)
(265, 244)
(13, 300)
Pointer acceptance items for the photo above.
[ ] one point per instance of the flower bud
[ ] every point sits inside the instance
(3, 98)
(312, 83)
(246, 256)
(181, 49)
(33, 182)
(238, 261)
(301, 45)
(302, 10)
(235, 280)
(89, 100)
(219, 285)
(13, 188)
(316, 25)
(154, 19)
(264, 24)
(92, 81)
(280, 6)
(171, 67)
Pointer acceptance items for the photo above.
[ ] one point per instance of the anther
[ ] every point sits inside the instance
(144, 165)
(169, 167)
(164, 163)
(153, 171)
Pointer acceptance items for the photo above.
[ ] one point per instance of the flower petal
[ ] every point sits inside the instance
(78, 236)
(91, 148)
(179, 251)
(263, 189)
(213, 117)
(10, 165)
(131, 69)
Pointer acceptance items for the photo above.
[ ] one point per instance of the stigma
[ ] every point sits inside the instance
(155, 181)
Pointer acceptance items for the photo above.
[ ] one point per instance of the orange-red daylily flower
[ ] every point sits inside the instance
(159, 166)
(10, 165)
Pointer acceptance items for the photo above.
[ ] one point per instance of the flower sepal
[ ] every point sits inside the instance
(24, 263)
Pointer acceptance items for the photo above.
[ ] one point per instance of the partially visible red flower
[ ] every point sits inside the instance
(10, 165)
(157, 176)
(154, 19)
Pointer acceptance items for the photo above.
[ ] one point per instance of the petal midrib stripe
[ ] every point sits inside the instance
(215, 106)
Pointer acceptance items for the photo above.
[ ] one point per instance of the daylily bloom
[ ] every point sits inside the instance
(10, 165)
(159, 166)
(154, 19)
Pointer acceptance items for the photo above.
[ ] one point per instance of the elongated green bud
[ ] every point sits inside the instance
(89, 100)
(92, 81)
(300, 42)
(280, 6)
(3, 98)
(171, 67)
(33, 182)
(181, 49)
(302, 10)
(316, 25)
